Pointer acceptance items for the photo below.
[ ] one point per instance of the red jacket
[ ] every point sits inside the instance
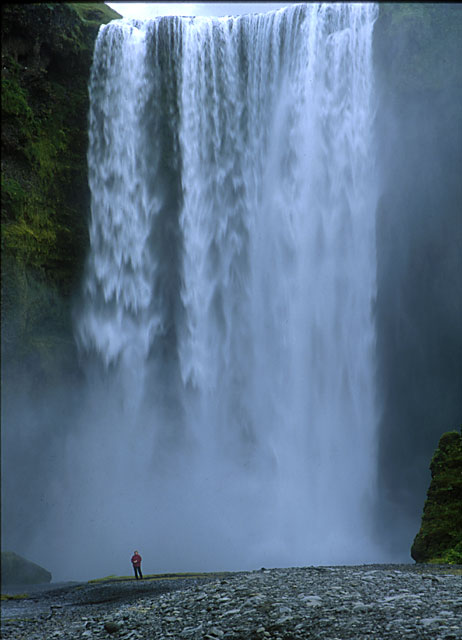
(136, 560)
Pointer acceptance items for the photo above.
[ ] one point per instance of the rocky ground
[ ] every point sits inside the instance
(373, 602)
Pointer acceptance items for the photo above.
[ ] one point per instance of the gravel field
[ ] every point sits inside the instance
(373, 602)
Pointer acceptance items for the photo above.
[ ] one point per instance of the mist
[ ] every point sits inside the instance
(251, 385)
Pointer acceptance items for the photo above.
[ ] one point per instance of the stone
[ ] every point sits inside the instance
(288, 604)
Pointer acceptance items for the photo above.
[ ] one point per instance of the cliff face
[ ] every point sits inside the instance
(440, 535)
(46, 58)
(418, 311)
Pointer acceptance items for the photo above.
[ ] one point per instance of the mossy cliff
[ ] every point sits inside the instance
(440, 536)
(46, 58)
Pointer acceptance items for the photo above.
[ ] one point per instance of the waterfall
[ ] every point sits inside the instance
(227, 322)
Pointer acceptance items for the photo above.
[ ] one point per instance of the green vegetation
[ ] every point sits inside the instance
(108, 578)
(46, 58)
(440, 537)
(161, 576)
(18, 596)
(94, 13)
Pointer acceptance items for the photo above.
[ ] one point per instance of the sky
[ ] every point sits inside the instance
(144, 10)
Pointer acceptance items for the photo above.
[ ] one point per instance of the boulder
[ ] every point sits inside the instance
(18, 570)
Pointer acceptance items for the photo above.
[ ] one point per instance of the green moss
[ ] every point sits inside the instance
(95, 13)
(46, 58)
(440, 537)
(13, 195)
(14, 100)
(451, 556)
(108, 578)
(161, 576)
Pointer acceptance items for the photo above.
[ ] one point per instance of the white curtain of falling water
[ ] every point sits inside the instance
(230, 285)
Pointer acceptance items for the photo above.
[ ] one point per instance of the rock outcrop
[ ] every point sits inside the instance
(18, 570)
(440, 535)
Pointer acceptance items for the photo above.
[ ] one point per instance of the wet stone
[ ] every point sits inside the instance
(392, 602)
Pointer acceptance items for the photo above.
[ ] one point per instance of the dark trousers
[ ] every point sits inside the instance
(137, 572)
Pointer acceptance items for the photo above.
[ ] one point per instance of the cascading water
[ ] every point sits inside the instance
(230, 284)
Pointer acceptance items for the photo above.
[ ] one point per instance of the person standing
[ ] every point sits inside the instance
(136, 562)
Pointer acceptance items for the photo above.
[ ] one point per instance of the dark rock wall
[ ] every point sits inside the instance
(46, 57)
(417, 53)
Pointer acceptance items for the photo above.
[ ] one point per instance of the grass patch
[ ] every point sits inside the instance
(95, 12)
(107, 578)
(19, 596)
(452, 572)
(160, 576)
